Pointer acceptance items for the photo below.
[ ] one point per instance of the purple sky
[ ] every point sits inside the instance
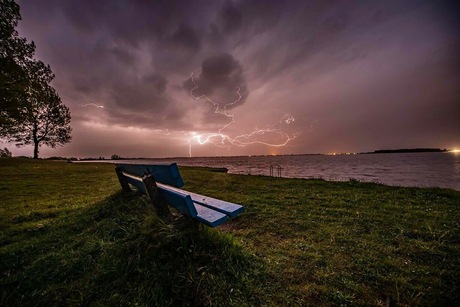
(202, 78)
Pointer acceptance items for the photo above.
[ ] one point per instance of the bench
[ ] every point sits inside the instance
(162, 183)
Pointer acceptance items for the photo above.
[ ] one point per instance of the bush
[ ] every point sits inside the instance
(5, 153)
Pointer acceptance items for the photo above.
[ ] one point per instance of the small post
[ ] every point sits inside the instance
(153, 192)
(272, 170)
(123, 182)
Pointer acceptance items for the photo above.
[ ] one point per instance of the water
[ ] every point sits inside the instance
(397, 169)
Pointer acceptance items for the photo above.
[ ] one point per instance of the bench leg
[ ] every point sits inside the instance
(153, 192)
(123, 182)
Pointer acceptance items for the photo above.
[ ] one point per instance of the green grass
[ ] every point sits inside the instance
(69, 236)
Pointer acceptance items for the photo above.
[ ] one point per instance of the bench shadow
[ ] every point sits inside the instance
(119, 252)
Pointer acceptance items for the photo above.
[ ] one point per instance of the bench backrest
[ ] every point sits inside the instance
(164, 173)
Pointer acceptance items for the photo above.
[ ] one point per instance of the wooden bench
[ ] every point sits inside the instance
(162, 183)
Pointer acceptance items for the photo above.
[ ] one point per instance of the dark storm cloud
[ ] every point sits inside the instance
(121, 54)
(140, 94)
(132, 22)
(229, 20)
(329, 63)
(186, 36)
(308, 29)
(221, 80)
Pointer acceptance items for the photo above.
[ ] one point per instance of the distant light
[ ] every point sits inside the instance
(340, 153)
(455, 150)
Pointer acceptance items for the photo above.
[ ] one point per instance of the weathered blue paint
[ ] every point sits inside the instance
(207, 210)
(136, 181)
(180, 201)
(184, 203)
(165, 173)
(222, 206)
(209, 217)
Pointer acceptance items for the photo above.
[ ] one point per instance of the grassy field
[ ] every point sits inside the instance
(70, 237)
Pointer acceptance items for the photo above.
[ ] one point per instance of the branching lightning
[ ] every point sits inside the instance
(217, 105)
(219, 138)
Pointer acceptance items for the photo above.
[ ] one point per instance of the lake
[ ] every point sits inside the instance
(397, 169)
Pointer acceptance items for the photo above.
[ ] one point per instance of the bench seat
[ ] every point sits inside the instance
(225, 207)
(207, 210)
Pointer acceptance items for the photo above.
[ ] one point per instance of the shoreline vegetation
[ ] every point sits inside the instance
(69, 236)
(407, 150)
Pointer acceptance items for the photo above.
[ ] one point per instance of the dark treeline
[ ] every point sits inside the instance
(408, 150)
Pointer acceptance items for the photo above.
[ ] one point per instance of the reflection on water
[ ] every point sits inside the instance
(400, 169)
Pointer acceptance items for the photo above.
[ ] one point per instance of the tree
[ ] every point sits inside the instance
(15, 52)
(43, 119)
(5, 153)
(115, 157)
(31, 111)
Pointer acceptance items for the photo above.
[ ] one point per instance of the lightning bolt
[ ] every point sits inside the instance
(92, 105)
(162, 131)
(219, 138)
(216, 104)
(71, 100)
(159, 131)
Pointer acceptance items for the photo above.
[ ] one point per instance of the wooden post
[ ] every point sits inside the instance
(153, 192)
(123, 182)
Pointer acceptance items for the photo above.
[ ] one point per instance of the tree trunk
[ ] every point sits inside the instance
(36, 150)
(34, 134)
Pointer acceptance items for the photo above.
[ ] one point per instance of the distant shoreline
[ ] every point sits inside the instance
(118, 158)
(406, 150)
(380, 151)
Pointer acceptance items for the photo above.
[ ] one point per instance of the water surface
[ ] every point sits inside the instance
(398, 169)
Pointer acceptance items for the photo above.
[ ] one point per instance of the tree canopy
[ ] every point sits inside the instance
(31, 111)
(15, 53)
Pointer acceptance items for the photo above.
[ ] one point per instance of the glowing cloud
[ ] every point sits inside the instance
(273, 135)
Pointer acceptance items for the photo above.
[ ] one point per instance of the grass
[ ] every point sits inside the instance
(69, 236)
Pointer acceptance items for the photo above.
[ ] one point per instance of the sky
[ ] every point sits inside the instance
(225, 78)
